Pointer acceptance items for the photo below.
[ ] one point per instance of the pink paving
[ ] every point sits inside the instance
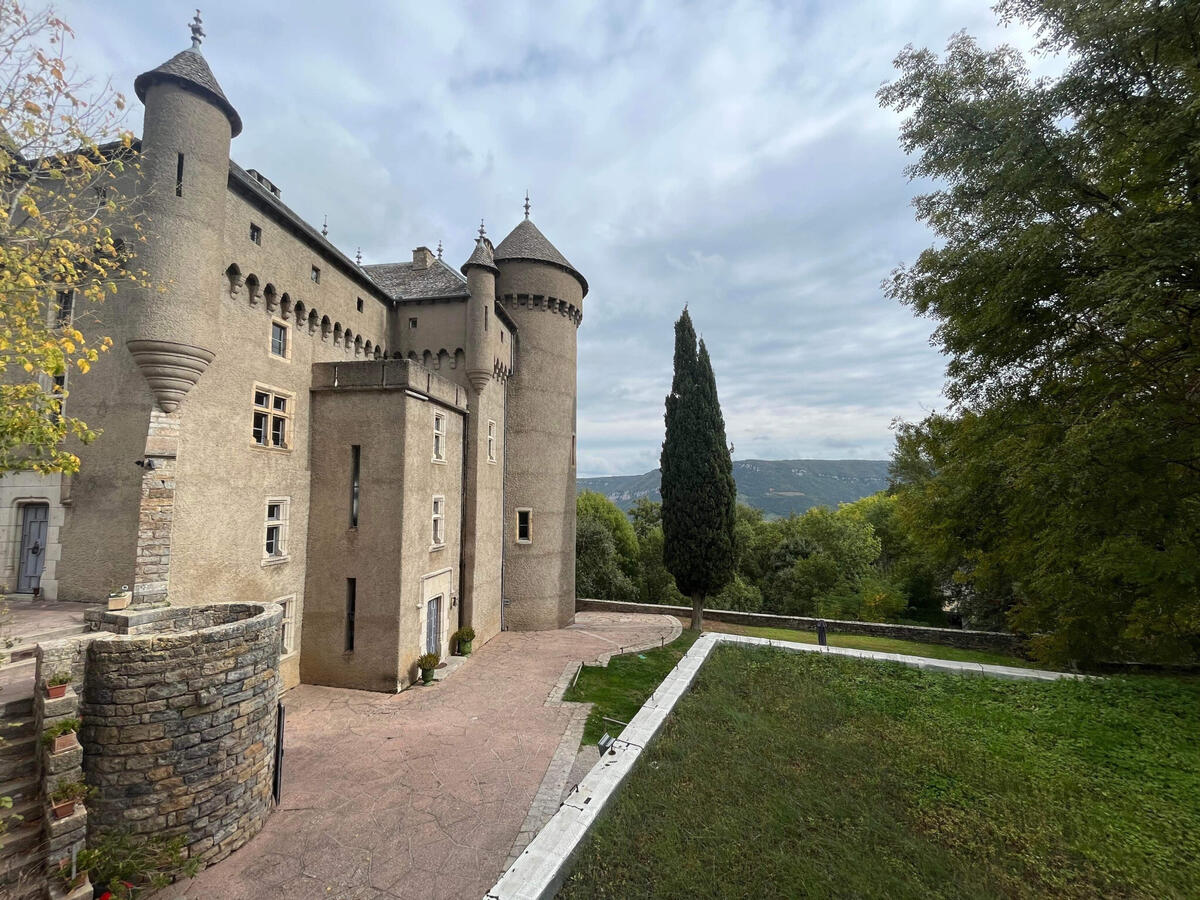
(419, 794)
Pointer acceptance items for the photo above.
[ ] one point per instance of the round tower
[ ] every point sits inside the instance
(186, 133)
(481, 273)
(544, 294)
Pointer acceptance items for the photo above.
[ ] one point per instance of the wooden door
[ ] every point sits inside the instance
(35, 518)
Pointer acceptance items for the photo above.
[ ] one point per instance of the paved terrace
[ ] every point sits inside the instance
(427, 793)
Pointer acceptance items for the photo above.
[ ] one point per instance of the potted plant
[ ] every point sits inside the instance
(120, 599)
(61, 735)
(83, 862)
(56, 685)
(464, 636)
(64, 797)
(428, 662)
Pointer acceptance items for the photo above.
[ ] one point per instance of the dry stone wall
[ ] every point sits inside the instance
(179, 713)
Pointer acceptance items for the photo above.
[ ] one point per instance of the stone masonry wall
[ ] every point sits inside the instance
(179, 725)
(156, 511)
(995, 641)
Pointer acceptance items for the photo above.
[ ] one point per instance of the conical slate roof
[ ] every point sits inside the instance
(189, 69)
(527, 243)
(482, 256)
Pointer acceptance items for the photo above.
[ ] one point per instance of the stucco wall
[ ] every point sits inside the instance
(179, 725)
(539, 579)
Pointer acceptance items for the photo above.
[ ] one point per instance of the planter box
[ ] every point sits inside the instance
(64, 742)
(64, 809)
(54, 691)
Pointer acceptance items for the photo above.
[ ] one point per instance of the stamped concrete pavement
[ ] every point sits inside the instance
(423, 793)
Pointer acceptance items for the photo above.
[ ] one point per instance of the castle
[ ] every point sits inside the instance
(387, 451)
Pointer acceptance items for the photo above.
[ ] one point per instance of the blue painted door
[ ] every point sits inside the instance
(34, 520)
(433, 625)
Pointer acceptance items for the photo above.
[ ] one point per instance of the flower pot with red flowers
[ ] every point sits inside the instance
(64, 797)
(61, 736)
(57, 684)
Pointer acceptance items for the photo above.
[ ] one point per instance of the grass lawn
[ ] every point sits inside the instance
(796, 775)
(867, 642)
(620, 688)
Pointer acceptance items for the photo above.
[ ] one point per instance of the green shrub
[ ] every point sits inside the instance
(428, 661)
(58, 729)
(123, 864)
(69, 790)
(466, 633)
(59, 678)
(738, 595)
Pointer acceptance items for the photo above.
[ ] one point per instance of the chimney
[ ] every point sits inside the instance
(422, 258)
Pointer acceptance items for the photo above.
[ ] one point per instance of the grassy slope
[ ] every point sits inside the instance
(620, 688)
(785, 775)
(867, 642)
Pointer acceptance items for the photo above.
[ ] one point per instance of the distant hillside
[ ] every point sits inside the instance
(778, 487)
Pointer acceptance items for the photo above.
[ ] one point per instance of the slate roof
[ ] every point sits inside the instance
(526, 242)
(482, 256)
(402, 282)
(189, 69)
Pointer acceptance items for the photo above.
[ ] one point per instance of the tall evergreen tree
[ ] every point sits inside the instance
(699, 496)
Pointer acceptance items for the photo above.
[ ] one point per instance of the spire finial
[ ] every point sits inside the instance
(526, 203)
(325, 227)
(197, 28)
(358, 256)
(482, 231)
(439, 248)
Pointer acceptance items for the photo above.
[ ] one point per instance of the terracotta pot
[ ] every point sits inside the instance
(54, 691)
(64, 809)
(64, 742)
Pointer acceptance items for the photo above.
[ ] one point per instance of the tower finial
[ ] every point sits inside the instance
(482, 231)
(358, 256)
(197, 28)
(325, 227)
(439, 248)
(526, 203)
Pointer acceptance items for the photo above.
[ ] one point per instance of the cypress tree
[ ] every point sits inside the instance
(698, 491)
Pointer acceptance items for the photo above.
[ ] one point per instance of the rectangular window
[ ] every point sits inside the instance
(439, 437)
(412, 323)
(255, 234)
(287, 626)
(64, 305)
(524, 526)
(485, 318)
(359, 304)
(279, 339)
(439, 521)
(355, 460)
(59, 389)
(491, 442)
(315, 275)
(351, 601)
(271, 424)
(179, 175)
(275, 545)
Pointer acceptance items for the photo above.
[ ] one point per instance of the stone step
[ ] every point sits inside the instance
(22, 845)
(18, 757)
(27, 643)
(14, 727)
(22, 790)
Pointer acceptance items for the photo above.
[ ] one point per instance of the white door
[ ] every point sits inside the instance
(34, 519)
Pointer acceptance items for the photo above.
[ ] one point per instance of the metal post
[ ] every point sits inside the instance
(821, 637)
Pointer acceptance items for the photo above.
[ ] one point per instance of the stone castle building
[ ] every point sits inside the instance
(387, 451)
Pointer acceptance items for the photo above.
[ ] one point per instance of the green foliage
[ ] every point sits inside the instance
(698, 491)
(69, 789)
(58, 729)
(466, 633)
(598, 572)
(58, 678)
(427, 662)
(124, 864)
(1061, 491)
(905, 784)
(590, 505)
(738, 595)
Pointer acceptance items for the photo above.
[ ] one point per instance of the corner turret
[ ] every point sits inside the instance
(481, 274)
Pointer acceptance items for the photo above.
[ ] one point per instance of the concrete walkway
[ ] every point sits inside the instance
(424, 793)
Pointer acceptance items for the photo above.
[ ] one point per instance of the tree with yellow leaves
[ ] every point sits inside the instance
(65, 226)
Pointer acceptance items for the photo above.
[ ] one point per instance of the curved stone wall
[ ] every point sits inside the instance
(179, 716)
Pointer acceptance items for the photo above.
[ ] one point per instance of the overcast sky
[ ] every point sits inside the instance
(726, 155)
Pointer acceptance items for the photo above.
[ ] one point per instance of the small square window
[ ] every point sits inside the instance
(255, 234)
(439, 521)
(524, 526)
(439, 437)
(491, 442)
(279, 340)
(359, 304)
(412, 323)
(315, 275)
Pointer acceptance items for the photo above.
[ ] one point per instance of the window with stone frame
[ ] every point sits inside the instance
(255, 234)
(439, 437)
(287, 626)
(271, 421)
(275, 544)
(524, 526)
(279, 339)
(439, 521)
(491, 442)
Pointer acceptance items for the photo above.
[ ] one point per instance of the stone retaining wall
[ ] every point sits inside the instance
(995, 641)
(179, 714)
